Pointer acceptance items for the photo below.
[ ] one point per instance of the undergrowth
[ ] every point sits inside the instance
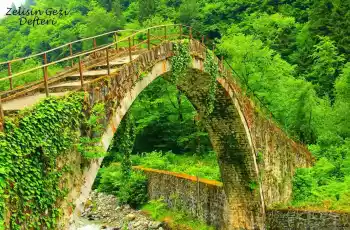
(175, 219)
(204, 166)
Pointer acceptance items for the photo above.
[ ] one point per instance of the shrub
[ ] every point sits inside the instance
(134, 191)
(129, 190)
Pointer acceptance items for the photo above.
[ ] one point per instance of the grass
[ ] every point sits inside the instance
(175, 219)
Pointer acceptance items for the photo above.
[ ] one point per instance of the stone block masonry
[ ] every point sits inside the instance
(202, 198)
(207, 201)
(310, 220)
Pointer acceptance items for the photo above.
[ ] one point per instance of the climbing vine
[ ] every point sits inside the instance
(89, 145)
(30, 146)
(211, 67)
(126, 143)
(180, 60)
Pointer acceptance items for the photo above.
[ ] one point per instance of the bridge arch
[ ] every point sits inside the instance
(230, 129)
(227, 131)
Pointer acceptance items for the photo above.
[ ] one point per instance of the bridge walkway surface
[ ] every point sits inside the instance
(69, 83)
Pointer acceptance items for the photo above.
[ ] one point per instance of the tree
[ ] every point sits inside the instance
(276, 31)
(326, 66)
(117, 8)
(147, 9)
(342, 102)
(332, 18)
(189, 11)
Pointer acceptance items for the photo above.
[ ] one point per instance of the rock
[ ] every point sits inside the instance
(130, 217)
(136, 224)
(91, 217)
(107, 208)
(155, 225)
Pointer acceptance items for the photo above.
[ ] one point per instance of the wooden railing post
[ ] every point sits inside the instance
(71, 52)
(9, 70)
(133, 41)
(148, 40)
(203, 40)
(108, 66)
(116, 41)
(130, 57)
(191, 33)
(46, 76)
(81, 72)
(2, 117)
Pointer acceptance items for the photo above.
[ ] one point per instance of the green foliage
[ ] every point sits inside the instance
(342, 104)
(260, 157)
(326, 66)
(130, 190)
(324, 186)
(30, 146)
(147, 9)
(89, 145)
(164, 121)
(253, 185)
(275, 30)
(176, 219)
(204, 166)
(189, 12)
(266, 76)
(332, 18)
(181, 60)
(126, 143)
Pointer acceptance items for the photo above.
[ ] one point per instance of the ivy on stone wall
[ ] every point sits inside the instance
(89, 145)
(212, 68)
(29, 148)
(181, 60)
(126, 142)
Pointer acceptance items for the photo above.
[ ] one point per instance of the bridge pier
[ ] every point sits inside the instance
(228, 134)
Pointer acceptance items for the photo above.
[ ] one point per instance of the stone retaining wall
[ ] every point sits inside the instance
(310, 220)
(204, 199)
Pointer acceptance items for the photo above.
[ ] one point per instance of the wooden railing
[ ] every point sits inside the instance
(146, 38)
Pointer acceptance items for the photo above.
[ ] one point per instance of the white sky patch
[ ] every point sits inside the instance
(7, 3)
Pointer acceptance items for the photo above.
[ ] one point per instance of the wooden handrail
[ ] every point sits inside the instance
(100, 48)
(81, 54)
(63, 46)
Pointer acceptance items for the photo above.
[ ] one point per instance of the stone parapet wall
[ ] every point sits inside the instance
(202, 198)
(308, 220)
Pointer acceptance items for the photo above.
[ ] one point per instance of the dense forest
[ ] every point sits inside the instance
(293, 55)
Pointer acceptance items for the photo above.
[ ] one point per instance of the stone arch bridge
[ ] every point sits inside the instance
(237, 130)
